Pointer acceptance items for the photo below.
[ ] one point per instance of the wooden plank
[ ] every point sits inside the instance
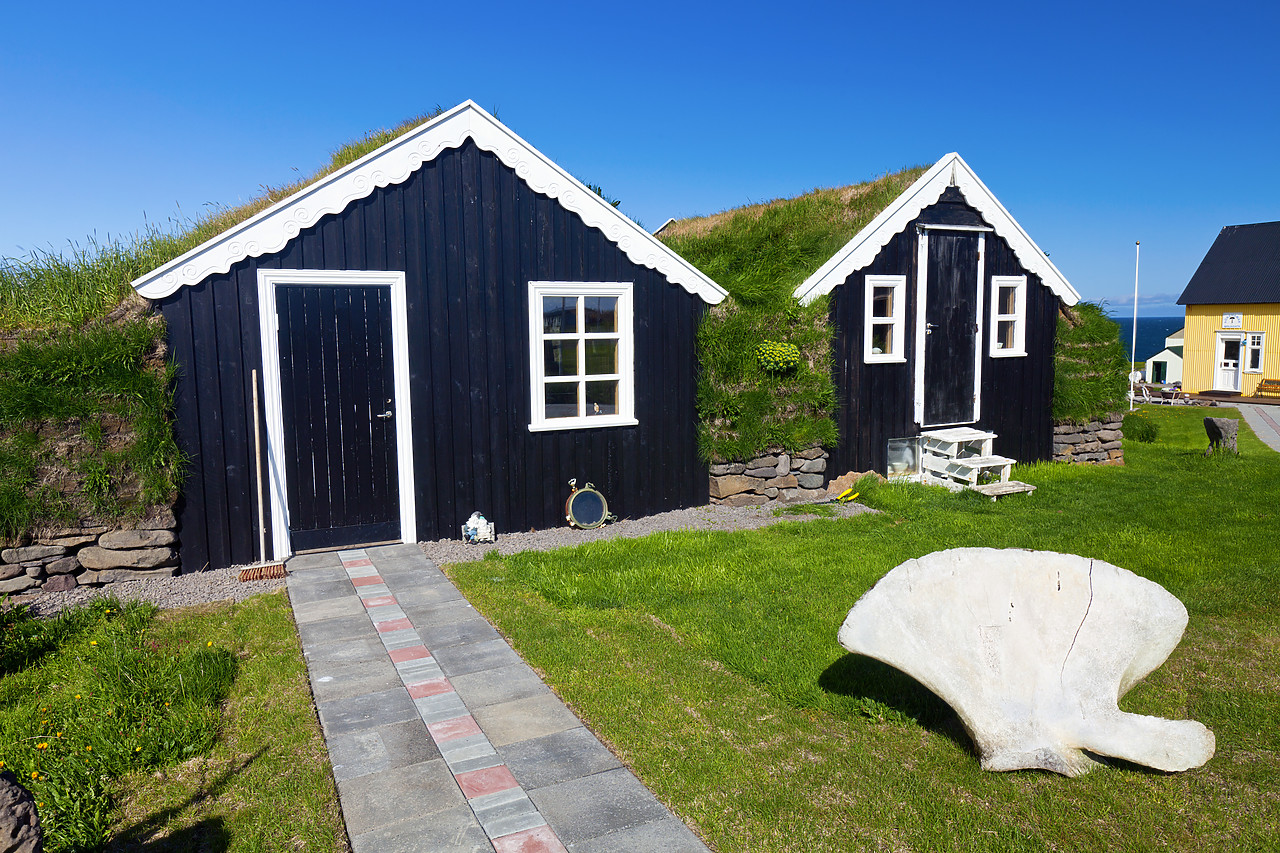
(416, 284)
(204, 330)
(438, 332)
(194, 549)
(236, 419)
(476, 287)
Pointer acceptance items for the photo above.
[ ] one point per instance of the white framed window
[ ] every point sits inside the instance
(1253, 347)
(884, 318)
(581, 355)
(1008, 316)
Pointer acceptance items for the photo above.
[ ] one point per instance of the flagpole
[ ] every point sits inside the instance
(1133, 346)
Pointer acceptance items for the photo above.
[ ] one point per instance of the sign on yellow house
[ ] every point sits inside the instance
(1232, 337)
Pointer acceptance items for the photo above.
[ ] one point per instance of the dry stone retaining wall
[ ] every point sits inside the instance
(92, 556)
(1096, 442)
(776, 476)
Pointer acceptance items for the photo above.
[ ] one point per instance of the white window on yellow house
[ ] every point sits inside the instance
(1253, 352)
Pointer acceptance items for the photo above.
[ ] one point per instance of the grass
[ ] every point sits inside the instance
(709, 662)
(180, 730)
(1090, 375)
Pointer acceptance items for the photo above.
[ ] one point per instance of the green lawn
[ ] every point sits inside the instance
(709, 662)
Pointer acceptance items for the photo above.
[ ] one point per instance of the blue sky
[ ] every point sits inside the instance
(1095, 124)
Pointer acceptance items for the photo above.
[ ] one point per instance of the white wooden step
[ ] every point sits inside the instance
(957, 442)
(966, 470)
(999, 490)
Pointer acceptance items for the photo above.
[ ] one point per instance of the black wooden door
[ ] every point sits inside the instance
(337, 396)
(952, 334)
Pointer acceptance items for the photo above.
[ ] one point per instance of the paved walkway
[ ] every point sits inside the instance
(441, 737)
(1263, 420)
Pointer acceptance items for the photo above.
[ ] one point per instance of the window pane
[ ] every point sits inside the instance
(1255, 340)
(602, 357)
(882, 302)
(881, 339)
(560, 358)
(562, 399)
(1231, 350)
(559, 314)
(601, 313)
(1004, 334)
(1007, 301)
(1255, 358)
(602, 398)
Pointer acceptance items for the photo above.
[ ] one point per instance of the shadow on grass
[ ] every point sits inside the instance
(879, 692)
(208, 836)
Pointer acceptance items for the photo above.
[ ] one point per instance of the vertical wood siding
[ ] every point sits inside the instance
(469, 235)
(876, 401)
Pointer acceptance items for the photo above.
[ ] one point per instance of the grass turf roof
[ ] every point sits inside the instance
(761, 252)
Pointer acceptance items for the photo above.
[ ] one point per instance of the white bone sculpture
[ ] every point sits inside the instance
(1033, 650)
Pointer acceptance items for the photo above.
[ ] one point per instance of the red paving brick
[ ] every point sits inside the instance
(380, 601)
(455, 728)
(369, 581)
(433, 687)
(540, 839)
(355, 564)
(409, 653)
(393, 625)
(490, 780)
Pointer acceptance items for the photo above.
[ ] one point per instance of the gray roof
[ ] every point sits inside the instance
(1242, 266)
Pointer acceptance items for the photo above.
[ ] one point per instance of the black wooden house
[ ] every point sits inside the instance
(451, 323)
(944, 313)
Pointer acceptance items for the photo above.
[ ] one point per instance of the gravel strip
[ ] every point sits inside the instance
(224, 585)
(445, 551)
(167, 593)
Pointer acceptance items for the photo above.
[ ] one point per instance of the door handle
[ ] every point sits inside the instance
(385, 414)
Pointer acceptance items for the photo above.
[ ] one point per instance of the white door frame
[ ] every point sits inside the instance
(922, 305)
(269, 326)
(1218, 351)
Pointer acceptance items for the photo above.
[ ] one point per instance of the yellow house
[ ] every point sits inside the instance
(1232, 336)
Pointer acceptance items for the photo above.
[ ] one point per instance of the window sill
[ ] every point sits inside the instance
(1008, 353)
(582, 423)
(884, 359)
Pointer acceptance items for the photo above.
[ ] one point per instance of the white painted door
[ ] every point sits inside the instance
(1227, 374)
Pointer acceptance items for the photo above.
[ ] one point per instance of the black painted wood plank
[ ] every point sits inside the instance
(205, 360)
(416, 282)
(438, 328)
(236, 420)
(193, 522)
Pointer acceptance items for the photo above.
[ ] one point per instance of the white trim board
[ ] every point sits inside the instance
(273, 412)
(951, 170)
(393, 163)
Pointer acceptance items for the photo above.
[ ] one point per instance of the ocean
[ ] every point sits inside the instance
(1151, 333)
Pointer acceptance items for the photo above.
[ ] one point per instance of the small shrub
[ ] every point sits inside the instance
(1138, 427)
(777, 358)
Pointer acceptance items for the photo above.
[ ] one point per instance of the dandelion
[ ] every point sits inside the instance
(137, 749)
(35, 774)
(77, 695)
(210, 643)
(59, 734)
(44, 745)
(93, 642)
(88, 749)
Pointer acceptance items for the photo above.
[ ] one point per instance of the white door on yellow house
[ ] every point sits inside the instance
(1227, 375)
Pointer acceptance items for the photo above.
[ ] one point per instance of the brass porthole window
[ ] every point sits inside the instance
(586, 508)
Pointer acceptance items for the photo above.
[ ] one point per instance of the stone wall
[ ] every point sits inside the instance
(777, 476)
(1096, 442)
(92, 556)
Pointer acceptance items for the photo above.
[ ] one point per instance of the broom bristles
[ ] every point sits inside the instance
(270, 571)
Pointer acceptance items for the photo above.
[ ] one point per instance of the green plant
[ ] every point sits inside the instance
(777, 358)
(1090, 375)
(1138, 427)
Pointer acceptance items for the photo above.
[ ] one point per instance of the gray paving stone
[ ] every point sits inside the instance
(379, 749)
(404, 550)
(327, 608)
(372, 590)
(472, 630)
(506, 812)
(419, 670)
(371, 710)
(301, 592)
(524, 719)
(385, 613)
(363, 648)
(597, 805)
(399, 639)
(441, 613)
(372, 801)
(342, 680)
(303, 562)
(492, 686)
(336, 628)
(660, 836)
(451, 831)
(467, 752)
(556, 758)
(487, 654)
(426, 595)
(444, 706)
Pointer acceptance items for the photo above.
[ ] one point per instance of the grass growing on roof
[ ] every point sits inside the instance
(1090, 375)
(709, 661)
(760, 253)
